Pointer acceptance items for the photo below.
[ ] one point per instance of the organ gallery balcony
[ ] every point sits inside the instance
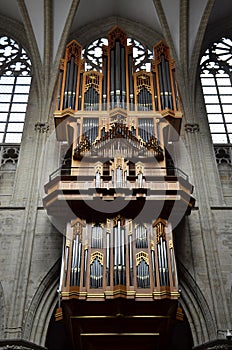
(161, 190)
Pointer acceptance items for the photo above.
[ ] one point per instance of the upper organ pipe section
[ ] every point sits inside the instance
(117, 83)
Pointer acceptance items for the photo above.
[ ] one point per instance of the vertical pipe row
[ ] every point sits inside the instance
(141, 237)
(169, 89)
(143, 278)
(62, 266)
(117, 74)
(173, 267)
(97, 237)
(165, 83)
(144, 100)
(66, 265)
(123, 77)
(153, 266)
(160, 266)
(90, 128)
(163, 263)
(80, 92)
(115, 255)
(74, 257)
(130, 259)
(145, 128)
(112, 76)
(70, 84)
(104, 87)
(91, 99)
(108, 258)
(155, 92)
(65, 104)
(96, 274)
(85, 266)
(119, 255)
(78, 274)
(131, 81)
(70, 78)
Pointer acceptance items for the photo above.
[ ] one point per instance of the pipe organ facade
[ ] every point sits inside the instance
(117, 193)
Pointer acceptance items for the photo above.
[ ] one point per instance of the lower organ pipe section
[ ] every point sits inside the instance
(119, 253)
(76, 262)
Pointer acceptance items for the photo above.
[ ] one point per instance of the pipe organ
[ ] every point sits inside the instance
(115, 84)
(117, 197)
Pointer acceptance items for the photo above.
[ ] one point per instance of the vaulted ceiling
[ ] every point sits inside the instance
(178, 21)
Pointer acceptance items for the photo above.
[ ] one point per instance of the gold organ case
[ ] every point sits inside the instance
(119, 193)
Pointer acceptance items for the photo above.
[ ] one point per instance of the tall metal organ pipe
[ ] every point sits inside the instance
(131, 81)
(104, 82)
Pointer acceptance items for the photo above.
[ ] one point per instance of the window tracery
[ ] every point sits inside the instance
(92, 54)
(216, 80)
(15, 81)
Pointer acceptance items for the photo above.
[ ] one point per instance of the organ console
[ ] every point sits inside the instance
(119, 197)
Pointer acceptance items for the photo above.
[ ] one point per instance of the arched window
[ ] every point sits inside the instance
(92, 54)
(15, 81)
(216, 80)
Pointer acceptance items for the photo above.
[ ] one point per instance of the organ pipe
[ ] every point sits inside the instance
(129, 247)
(108, 258)
(112, 76)
(117, 70)
(141, 237)
(123, 77)
(131, 259)
(119, 84)
(131, 82)
(143, 277)
(153, 266)
(104, 88)
(85, 266)
(66, 265)
(80, 92)
(62, 266)
(119, 255)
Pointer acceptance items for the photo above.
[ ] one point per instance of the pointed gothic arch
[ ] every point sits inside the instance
(196, 308)
(42, 307)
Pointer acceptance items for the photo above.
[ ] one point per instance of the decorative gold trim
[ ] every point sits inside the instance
(73, 293)
(95, 295)
(166, 293)
(152, 244)
(120, 291)
(108, 225)
(59, 314)
(117, 316)
(97, 255)
(142, 255)
(118, 334)
(159, 227)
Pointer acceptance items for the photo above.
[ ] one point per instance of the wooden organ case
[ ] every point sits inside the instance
(119, 193)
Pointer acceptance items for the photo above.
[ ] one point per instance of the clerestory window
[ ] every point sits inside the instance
(15, 82)
(216, 80)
